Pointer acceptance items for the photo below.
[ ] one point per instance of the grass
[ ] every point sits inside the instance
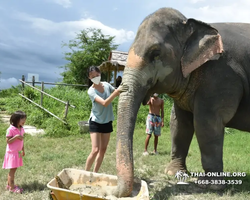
(46, 156)
(66, 148)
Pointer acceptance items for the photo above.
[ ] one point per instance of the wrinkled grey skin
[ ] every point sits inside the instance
(204, 68)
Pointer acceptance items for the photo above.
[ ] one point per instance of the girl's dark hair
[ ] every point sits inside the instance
(91, 69)
(15, 118)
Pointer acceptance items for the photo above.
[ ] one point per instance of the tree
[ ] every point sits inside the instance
(90, 47)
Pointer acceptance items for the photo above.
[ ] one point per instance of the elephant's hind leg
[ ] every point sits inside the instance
(182, 130)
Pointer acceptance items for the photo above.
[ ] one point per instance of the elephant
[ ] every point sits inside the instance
(204, 68)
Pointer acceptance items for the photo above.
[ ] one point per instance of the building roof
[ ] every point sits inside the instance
(116, 61)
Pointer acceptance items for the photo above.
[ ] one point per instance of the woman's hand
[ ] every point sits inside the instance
(117, 92)
(123, 88)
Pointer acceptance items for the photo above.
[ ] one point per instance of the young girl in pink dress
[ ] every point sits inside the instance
(15, 149)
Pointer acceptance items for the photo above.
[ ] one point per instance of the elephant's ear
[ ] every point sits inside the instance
(203, 44)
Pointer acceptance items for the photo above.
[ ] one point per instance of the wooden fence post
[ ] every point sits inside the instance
(115, 77)
(109, 76)
(41, 103)
(23, 79)
(66, 110)
(33, 81)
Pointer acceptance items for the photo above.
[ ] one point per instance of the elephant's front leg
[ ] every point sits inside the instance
(182, 130)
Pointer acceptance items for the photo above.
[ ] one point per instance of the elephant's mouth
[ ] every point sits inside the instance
(152, 90)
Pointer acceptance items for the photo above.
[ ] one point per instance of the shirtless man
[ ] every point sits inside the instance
(154, 121)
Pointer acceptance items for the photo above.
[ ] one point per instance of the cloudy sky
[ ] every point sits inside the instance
(32, 31)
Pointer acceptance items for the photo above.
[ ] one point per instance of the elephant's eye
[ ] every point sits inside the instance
(154, 55)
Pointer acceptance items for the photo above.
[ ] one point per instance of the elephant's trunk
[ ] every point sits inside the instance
(128, 106)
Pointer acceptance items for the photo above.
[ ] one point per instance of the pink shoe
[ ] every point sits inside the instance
(15, 190)
(21, 189)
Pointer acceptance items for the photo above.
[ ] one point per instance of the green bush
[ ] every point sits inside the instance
(78, 98)
(11, 91)
(31, 93)
(36, 117)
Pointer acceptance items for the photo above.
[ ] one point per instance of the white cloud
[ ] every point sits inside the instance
(207, 10)
(64, 3)
(195, 1)
(231, 12)
(130, 35)
(68, 29)
(6, 83)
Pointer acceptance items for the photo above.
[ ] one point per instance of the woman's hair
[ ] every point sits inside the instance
(91, 69)
(15, 118)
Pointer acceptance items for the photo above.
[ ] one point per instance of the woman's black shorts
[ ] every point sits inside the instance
(95, 127)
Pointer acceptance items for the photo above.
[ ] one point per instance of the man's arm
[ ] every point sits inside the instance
(149, 101)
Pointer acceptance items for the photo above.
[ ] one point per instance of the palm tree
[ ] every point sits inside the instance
(185, 176)
(178, 175)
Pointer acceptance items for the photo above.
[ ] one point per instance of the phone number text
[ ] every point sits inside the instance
(219, 182)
